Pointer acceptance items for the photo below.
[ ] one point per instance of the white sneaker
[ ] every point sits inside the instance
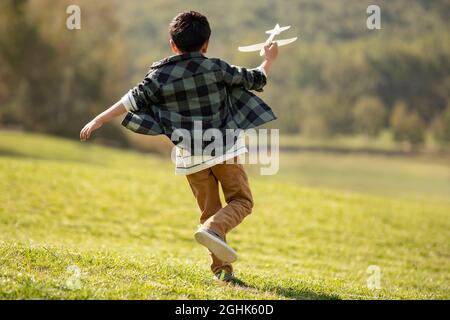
(216, 245)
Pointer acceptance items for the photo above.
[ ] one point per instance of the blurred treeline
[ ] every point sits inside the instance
(339, 79)
(53, 80)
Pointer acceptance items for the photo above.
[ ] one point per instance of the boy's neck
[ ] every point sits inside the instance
(190, 52)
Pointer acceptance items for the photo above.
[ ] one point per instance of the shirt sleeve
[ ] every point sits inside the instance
(250, 79)
(142, 95)
(262, 70)
(129, 102)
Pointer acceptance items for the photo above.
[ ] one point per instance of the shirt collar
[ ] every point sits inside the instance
(180, 57)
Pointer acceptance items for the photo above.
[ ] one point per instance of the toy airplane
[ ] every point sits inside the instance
(272, 33)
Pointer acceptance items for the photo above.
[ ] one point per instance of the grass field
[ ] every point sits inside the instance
(83, 221)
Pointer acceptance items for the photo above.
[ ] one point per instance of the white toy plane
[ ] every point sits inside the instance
(272, 33)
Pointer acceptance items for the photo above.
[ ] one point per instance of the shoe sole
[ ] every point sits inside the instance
(218, 247)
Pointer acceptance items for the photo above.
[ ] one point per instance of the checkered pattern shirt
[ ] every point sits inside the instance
(182, 90)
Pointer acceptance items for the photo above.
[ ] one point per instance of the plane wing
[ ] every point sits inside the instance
(279, 30)
(259, 46)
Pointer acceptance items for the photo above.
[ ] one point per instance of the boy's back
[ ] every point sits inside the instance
(190, 87)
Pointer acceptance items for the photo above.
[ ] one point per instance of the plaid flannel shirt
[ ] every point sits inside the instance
(187, 88)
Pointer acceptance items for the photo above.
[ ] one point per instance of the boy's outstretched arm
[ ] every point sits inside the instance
(114, 111)
(141, 95)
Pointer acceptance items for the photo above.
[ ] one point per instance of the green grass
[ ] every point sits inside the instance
(126, 222)
(404, 177)
(384, 142)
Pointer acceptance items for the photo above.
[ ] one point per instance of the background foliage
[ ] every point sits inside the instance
(339, 79)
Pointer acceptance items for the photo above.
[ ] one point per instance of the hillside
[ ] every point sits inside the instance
(124, 223)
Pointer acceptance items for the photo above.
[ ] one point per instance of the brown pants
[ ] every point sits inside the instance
(235, 187)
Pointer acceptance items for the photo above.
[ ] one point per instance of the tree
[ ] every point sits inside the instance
(407, 125)
(369, 115)
(441, 126)
(58, 79)
(26, 54)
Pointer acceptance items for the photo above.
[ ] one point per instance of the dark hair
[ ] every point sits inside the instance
(189, 30)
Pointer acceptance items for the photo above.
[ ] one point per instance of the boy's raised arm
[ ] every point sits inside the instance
(271, 54)
(114, 111)
(251, 79)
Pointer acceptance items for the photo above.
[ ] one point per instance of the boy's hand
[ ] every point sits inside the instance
(89, 128)
(271, 54)
(271, 51)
